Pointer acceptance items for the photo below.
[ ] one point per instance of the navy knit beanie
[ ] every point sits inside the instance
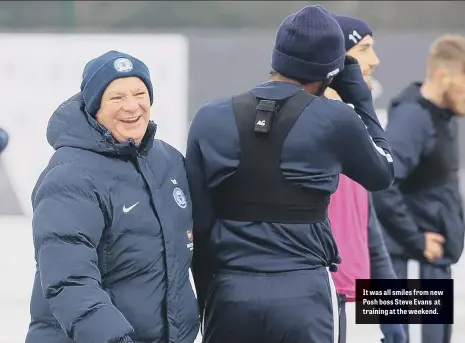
(309, 46)
(102, 70)
(354, 30)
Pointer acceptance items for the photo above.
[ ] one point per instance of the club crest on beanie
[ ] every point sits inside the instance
(354, 30)
(102, 70)
(309, 45)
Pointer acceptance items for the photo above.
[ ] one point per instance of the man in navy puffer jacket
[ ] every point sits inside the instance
(112, 219)
(3, 139)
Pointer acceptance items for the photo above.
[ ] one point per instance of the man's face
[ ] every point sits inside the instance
(125, 109)
(455, 93)
(366, 56)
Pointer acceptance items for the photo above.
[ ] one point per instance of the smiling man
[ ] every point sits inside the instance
(112, 219)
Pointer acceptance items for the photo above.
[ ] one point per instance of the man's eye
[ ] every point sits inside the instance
(115, 98)
(140, 94)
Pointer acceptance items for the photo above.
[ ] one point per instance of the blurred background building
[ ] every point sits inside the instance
(229, 50)
(213, 15)
(230, 42)
(238, 35)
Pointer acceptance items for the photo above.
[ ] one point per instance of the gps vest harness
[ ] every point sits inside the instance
(258, 191)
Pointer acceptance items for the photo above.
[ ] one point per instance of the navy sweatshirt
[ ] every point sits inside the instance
(380, 262)
(328, 138)
(405, 217)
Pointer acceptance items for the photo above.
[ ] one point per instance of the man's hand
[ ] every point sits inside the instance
(433, 246)
(349, 83)
(348, 60)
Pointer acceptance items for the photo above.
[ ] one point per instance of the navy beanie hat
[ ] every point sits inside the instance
(354, 30)
(309, 46)
(102, 70)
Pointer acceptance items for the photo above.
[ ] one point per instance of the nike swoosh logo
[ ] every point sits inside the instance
(127, 209)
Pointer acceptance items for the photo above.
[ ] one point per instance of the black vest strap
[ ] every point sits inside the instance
(442, 164)
(258, 191)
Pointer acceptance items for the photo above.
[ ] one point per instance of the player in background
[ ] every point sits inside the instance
(422, 213)
(353, 220)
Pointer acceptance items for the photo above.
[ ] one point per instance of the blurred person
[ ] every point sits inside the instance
(422, 212)
(3, 139)
(112, 219)
(261, 167)
(353, 220)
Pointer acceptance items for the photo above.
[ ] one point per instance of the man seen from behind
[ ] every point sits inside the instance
(262, 166)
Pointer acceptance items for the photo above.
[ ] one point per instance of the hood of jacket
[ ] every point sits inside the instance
(412, 94)
(409, 94)
(71, 126)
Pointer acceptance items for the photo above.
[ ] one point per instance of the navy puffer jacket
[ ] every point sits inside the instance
(112, 235)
